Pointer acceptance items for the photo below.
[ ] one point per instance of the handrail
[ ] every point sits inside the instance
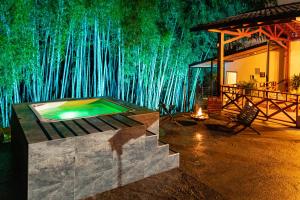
(264, 93)
(269, 103)
(260, 90)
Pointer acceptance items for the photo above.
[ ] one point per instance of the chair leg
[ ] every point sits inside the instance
(235, 125)
(253, 129)
(235, 133)
(177, 123)
(166, 118)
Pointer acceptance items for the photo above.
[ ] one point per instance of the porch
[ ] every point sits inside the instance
(261, 71)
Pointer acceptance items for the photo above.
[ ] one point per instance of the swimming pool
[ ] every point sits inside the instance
(74, 109)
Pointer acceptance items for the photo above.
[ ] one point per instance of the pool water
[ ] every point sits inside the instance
(65, 110)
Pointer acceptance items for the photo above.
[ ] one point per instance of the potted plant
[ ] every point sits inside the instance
(247, 85)
(295, 82)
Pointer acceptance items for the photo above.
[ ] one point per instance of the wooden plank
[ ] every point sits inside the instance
(112, 122)
(125, 120)
(63, 130)
(99, 124)
(85, 126)
(27, 121)
(50, 130)
(75, 128)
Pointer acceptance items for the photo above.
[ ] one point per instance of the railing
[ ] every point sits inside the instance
(269, 85)
(275, 106)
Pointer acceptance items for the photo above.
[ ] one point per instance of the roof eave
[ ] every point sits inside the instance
(250, 23)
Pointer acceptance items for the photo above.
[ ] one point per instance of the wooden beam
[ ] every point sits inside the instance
(275, 39)
(242, 35)
(268, 63)
(287, 63)
(233, 39)
(224, 31)
(220, 72)
(290, 27)
(296, 21)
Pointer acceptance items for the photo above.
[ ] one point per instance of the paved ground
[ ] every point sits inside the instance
(243, 166)
(214, 165)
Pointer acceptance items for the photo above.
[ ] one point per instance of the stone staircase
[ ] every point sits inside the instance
(158, 156)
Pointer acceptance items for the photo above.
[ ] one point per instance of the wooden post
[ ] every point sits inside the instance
(211, 78)
(220, 73)
(287, 65)
(268, 64)
(188, 90)
(297, 113)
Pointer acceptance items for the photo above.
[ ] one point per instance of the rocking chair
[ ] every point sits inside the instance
(244, 119)
(168, 110)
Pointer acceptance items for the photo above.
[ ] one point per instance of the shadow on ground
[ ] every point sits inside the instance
(174, 184)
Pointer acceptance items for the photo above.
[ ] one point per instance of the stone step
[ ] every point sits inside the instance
(151, 141)
(171, 162)
(154, 159)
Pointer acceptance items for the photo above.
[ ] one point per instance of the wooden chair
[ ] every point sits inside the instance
(168, 110)
(244, 119)
(214, 106)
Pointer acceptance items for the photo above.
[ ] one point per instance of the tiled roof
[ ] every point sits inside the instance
(271, 15)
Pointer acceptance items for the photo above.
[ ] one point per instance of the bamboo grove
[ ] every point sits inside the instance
(137, 51)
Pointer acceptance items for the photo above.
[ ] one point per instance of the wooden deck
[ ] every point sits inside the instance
(36, 131)
(80, 127)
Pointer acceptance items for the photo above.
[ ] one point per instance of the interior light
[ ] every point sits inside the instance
(69, 115)
(298, 19)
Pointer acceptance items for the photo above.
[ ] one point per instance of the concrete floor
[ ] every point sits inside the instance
(243, 166)
(214, 165)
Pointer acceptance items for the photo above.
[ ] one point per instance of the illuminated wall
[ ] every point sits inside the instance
(294, 58)
(245, 67)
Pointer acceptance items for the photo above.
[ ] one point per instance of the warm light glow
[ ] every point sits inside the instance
(199, 137)
(231, 78)
(259, 23)
(199, 115)
(199, 112)
(298, 19)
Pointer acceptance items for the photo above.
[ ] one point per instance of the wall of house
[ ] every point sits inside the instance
(245, 67)
(294, 58)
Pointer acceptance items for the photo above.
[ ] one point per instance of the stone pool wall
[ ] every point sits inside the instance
(75, 167)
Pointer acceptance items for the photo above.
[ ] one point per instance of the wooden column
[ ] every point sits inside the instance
(187, 109)
(287, 65)
(220, 72)
(211, 78)
(268, 63)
